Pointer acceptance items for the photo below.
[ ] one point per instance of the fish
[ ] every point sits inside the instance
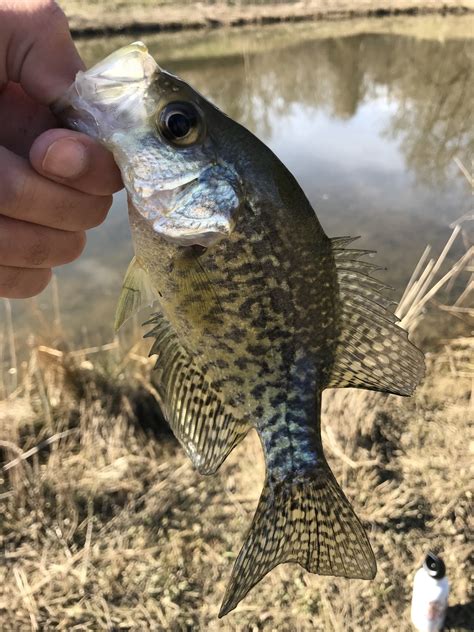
(257, 309)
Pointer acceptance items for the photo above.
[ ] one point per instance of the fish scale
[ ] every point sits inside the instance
(257, 309)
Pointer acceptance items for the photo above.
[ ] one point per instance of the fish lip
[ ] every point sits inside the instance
(189, 230)
(108, 81)
(180, 187)
(141, 66)
(165, 186)
(152, 207)
(74, 117)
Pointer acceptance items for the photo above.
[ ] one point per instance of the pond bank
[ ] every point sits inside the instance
(88, 18)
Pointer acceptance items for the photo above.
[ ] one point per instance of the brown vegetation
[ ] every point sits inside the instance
(88, 17)
(105, 525)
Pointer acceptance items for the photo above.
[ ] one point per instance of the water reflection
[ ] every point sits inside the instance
(430, 82)
(368, 123)
(434, 119)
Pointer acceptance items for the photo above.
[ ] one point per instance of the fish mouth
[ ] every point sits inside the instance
(110, 93)
(106, 82)
(127, 64)
(174, 216)
(161, 200)
(125, 69)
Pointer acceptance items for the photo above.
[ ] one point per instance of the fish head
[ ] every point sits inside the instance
(156, 127)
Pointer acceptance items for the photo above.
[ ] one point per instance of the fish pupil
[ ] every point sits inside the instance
(179, 124)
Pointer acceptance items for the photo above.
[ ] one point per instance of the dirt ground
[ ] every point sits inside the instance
(88, 17)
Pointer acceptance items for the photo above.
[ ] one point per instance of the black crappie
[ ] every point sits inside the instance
(259, 310)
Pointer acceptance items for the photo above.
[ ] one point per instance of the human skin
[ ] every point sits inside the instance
(54, 183)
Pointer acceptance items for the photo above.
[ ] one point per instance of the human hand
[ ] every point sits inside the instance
(49, 201)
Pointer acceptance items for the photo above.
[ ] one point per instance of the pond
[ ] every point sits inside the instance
(368, 115)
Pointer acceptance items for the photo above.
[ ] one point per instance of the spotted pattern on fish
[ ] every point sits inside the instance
(255, 319)
(270, 350)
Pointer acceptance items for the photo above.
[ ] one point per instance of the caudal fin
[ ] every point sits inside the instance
(308, 521)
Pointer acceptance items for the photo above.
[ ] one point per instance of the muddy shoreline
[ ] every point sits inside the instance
(89, 19)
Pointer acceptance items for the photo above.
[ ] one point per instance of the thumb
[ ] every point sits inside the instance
(40, 54)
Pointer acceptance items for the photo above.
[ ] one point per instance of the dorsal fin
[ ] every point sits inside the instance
(136, 294)
(193, 406)
(372, 351)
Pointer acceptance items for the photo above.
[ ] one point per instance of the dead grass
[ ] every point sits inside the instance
(104, 525)
(88, 17)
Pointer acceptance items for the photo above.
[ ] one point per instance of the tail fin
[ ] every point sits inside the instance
(308, 521)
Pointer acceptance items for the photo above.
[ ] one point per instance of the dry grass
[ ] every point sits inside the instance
(105, 525)
(88, 17)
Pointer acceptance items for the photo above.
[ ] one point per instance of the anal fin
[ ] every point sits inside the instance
(194, 408)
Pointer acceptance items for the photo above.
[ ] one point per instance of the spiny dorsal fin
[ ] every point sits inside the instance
(136, 293)
(372, 351)
(193, 407)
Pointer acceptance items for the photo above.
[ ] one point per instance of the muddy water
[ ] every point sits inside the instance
(368, 116)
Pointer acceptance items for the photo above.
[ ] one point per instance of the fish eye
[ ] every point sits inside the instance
(181, 123)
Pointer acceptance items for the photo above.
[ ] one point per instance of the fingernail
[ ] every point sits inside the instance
(65, 158)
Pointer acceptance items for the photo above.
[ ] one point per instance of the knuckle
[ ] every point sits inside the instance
(62, 214)
(46, 248)
(38, 252)
(79, 215)
(13, 189)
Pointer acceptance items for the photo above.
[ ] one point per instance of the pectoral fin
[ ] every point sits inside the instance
(136, 293)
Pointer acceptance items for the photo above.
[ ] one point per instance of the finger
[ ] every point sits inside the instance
(40, 53)
(76, 160)
(23, 282)
(26, 245)
(27, 196)
(27, 119)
